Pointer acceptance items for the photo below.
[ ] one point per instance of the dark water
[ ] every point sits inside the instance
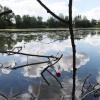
(24, 81)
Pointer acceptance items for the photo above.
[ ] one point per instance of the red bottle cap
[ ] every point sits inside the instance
(58, 74)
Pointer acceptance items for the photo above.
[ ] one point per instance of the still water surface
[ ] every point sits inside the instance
(24, 81)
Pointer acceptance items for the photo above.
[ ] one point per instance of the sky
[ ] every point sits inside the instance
(89, 8)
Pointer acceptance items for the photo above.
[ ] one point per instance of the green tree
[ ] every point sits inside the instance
(26, 21)
(39, 21)
(93, 22)
(18, 21)
(52, 22)
(6, 19)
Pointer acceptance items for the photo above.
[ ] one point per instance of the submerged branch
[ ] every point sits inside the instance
(37, 63)
(92, 91)
(46, 69)
(85, 80)
(73, 49)
(26, 54)
(55, 78)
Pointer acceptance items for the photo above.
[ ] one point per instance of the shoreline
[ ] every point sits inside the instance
(45, 29)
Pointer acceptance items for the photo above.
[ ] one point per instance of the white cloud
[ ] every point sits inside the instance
(32, 7)
(66, 61)
(93, 13)
(93, 40)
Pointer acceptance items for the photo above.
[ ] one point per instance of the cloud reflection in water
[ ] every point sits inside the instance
(66, 61)
(93, 40)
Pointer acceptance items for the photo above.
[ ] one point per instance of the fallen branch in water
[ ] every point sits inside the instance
(84, 82)
(26, 54)
(91, 88)
(46, 69)
(54, 60)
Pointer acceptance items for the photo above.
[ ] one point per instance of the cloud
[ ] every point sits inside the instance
(33, 70)
(93, 40)
(66, 61)
(22, 7)
(93, 13)
(33, 8)
(5, 64)
(65, 64)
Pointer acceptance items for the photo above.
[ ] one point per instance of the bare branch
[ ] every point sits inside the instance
(26, 54)
(46, 69)
(85, 80)
(4, 96)
(89, 93)
(52, 13)
(73, 49)
(37, 63)
(91, 88)
(55, 78)
(56, 60)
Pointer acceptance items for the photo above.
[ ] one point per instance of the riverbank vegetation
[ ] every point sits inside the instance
(26, 21)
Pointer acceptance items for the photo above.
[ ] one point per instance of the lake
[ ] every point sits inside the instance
(27, 84)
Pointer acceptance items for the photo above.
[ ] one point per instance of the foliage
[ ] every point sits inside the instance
(27, 21)
(6, 20)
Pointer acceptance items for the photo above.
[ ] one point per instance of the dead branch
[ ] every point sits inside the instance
(4, 96)
(54, 59)
(46, 69)
(52, 13)
(92, 91)
(21, 66)
(73, 49)
(84, 82)
(26, 54)
(91, 88)
(55, 78)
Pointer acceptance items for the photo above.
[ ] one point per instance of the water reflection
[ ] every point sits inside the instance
(66, 61)
(34, 70)
(28, 79)
(93, 40)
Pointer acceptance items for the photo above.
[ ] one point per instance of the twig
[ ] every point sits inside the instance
(37, 63)
(45, 69)
(8, 52)
(4, 96)
(44, 78)
(56, 60)
(89, 93)
(54, 75)
(55, 78)
(90, 86)
(18, 48)
(52, 13)
(85, 80)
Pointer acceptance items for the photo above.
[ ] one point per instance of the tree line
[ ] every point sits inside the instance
(27, 21)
